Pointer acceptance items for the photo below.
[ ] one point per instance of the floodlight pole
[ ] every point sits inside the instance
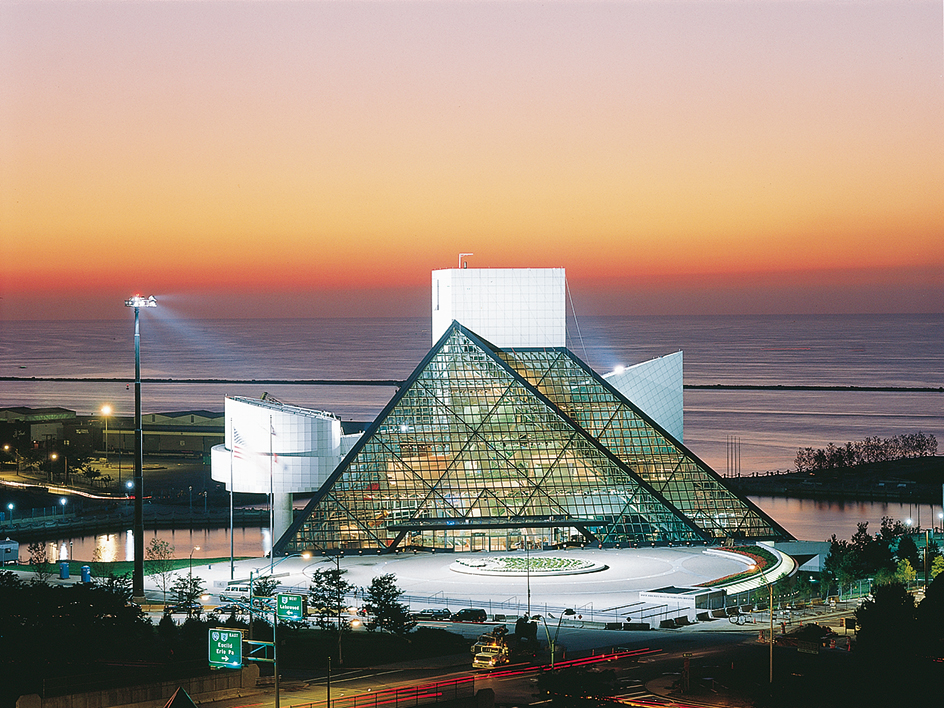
(232, 563)
(137, 583)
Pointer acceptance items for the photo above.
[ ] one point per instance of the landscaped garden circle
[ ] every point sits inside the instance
(540, 566)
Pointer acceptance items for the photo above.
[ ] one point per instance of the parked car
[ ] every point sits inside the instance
(229, 608)
(432, 615)
(235, 593)
(194, 609)
(469, 614)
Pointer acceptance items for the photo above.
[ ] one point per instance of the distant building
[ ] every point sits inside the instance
(188, 433)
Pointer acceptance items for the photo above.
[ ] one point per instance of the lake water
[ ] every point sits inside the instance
(873, 351)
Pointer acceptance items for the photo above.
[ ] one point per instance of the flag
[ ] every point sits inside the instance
(239, 446)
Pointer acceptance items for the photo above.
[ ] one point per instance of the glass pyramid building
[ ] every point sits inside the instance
(491, 449)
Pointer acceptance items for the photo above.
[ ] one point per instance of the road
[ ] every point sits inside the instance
(644, 659)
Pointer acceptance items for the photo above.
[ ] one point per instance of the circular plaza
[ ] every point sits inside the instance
(431, 580)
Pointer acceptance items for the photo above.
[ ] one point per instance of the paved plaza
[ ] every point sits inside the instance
(427, 579)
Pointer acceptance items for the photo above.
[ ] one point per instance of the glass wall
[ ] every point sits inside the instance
(486, 449)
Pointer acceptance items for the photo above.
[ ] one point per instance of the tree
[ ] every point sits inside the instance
(98, 566)
(39, 561)
(930, 614)
(188, 589)
(892, 528)
(841, 561)
(264, 586)
(904, 573)
(887, 623)
(159, 564)
(327, 598)
(118, 585)
(907, 550)
(871, 555)
(383, 607)
(52, 630)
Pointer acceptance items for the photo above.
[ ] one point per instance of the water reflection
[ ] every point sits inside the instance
(214, 543)
(818, 519)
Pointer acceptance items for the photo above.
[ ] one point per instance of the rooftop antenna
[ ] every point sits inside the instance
(461, 255)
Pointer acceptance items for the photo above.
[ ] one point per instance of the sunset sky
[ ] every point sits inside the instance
(321, 158)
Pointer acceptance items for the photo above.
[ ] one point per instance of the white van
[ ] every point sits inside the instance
(235, 593)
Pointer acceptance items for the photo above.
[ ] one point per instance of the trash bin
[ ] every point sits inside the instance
(64, 570)
(86, 574)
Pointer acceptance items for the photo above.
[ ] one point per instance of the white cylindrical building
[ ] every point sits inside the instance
(276, 449)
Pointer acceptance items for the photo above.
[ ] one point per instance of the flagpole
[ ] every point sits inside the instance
(271, 502)
(232, 452)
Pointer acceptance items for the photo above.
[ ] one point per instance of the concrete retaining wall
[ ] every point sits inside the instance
(219, 685)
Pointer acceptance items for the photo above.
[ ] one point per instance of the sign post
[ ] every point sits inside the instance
(226, 649)
(290, 607)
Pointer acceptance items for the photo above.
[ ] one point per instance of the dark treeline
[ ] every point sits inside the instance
(866, 451)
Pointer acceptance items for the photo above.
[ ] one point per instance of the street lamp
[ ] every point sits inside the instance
(106, 411)
(927, 557)
(137, 581)
(275, 624)
(190, 569)
(62, 503)
(553, 644)
(16, 456)
(527, 562)
(190, 582)
(10, 507)
(770, 611)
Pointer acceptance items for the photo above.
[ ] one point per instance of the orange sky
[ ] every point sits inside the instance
(674, 157)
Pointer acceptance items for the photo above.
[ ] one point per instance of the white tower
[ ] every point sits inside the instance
(509, 307)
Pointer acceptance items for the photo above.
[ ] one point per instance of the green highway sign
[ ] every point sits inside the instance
(290, 607)
(226, 649)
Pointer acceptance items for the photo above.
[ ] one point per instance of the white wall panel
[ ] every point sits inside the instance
(509, 307)
(296, 448)
(655, 386)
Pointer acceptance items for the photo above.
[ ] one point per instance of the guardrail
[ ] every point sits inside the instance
(437, 692)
